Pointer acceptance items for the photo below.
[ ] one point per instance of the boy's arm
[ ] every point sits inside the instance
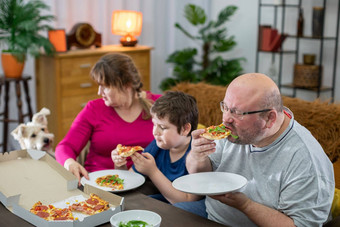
(145, 164)
(168, 191)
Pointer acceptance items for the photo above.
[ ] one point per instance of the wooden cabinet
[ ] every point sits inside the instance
(64, 85)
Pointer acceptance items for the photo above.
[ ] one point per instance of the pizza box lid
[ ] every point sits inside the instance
(33, 176)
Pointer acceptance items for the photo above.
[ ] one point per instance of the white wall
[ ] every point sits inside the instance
(159, 17)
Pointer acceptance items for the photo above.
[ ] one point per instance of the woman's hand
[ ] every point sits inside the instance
(118, 160)
(144, 163)
(76, 169)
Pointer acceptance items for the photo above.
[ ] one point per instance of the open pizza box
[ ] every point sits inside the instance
(29, 176)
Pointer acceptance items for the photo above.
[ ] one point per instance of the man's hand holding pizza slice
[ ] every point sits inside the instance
(202, 145)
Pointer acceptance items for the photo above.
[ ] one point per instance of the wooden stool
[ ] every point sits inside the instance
(6, 82)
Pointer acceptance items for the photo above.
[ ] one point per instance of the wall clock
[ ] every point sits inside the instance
(82, 35)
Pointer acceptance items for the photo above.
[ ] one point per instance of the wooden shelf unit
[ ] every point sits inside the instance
(283, 54)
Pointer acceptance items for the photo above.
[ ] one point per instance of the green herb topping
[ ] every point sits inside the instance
(134, 223)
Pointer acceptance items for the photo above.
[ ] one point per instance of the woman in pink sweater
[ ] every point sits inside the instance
(121, 116)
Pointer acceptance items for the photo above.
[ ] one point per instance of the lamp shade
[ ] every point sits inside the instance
(128, 24)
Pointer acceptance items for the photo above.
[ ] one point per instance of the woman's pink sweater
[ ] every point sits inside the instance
(104, 128)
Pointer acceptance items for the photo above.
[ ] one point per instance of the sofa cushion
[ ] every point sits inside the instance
(208, 98)
(321, 119)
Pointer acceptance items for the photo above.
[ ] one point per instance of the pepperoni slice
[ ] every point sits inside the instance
(41, 208)
(92, 201)
(43, 214)
(98, 207)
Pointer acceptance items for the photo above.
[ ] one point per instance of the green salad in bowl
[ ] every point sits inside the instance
(134, 223)
(136, 218)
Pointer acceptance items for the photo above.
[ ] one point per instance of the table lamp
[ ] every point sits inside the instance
(127, 24)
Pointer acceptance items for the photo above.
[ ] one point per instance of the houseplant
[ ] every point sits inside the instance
(21, 23)
(211, 66)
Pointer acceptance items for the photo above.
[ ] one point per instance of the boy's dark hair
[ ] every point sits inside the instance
(179, 107)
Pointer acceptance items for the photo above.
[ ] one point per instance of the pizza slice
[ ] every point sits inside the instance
(58, 214)
(93, 205)
(41, 210)
(90, 206)
(51, 213)
(111, 181)
(126, 151)
(216, 132)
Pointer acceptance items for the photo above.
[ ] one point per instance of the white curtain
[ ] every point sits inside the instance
(159, 17)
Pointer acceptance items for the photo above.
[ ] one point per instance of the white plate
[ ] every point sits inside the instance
(132, 180)
(209, 183)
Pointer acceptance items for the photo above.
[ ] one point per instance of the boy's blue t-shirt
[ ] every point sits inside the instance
(162, 158)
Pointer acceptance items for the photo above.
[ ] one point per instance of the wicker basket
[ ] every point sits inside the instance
(306, 76)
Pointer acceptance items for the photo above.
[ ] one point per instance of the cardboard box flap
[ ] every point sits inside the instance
(72, 181)
(35, 154)
(29, 176)
(12, 155)
(9, 201)
(35, 180)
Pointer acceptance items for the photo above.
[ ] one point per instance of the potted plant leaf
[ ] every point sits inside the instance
(211, 66)
(21, 23)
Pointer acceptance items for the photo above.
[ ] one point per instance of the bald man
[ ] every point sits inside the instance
(290, 178)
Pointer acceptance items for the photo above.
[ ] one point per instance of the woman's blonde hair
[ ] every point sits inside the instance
(118, 70)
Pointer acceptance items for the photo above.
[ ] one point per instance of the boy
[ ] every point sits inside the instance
(174, 117)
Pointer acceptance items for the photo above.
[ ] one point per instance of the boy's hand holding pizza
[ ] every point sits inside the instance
(118, 160)
(121, 152)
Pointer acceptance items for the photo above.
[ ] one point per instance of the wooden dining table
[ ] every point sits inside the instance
(133, 199)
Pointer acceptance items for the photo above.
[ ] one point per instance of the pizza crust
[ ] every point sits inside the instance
(211, 137)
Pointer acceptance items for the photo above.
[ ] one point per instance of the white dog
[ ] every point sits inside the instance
(34, 135)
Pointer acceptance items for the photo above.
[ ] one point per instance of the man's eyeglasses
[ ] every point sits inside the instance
(239, 114)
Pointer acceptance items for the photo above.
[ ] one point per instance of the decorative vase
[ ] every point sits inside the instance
(300, 23)
(317, 29)
(308, 59)
(11, 66)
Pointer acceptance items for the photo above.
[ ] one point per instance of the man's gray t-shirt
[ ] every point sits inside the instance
(292, 175)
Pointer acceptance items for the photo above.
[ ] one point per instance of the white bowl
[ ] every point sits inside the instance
(152, 218)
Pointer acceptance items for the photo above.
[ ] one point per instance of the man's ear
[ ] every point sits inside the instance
(186, 129)
(271, 118)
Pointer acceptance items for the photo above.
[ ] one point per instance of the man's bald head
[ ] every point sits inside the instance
(256, 88)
